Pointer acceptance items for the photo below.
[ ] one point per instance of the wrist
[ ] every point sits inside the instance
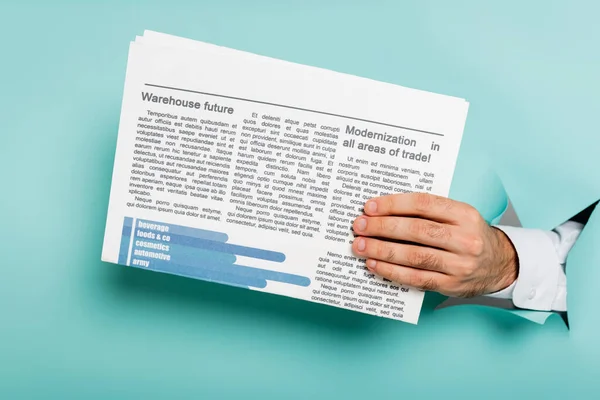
(508, 262)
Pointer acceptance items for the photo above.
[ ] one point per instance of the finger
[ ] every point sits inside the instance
(420, 257)
(424, 205)
(411, 230)
(403, 275)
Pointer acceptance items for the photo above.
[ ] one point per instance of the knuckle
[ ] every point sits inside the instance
(390, 202)
(443, 203)
(381, 225)
(416, 228)
(421, 258)
(436, 231)
(453, 289)
(396, 276)
(429, 284)
(468, 268)
(415, 280)
(387, 225)
(413, 257)
(423, 283)
(390, 256)
(427, 229)
(385, 252)
(475, 245)
(422, 202)
(472, 215)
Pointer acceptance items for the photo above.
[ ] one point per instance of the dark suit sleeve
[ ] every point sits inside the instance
(584, 216)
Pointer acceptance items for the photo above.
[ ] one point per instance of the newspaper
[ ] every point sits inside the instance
(245, 170)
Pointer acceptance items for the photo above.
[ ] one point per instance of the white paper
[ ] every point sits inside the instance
(270, 164)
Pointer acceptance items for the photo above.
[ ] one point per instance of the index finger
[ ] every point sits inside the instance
(423, 205)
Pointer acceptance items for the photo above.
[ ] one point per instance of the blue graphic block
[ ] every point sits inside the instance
(198, 254)
(125, 239)
(186, 231)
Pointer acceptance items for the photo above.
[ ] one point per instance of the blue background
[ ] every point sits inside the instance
(73, 327)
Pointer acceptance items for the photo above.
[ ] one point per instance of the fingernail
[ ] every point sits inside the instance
(371, 207)
(371, 264)
(360, 244)
(361, 224)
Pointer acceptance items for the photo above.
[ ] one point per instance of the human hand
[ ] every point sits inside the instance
(435, 244)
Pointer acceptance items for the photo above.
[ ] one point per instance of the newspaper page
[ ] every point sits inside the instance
(249, 171)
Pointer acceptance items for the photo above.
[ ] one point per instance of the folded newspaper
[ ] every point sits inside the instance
(245, 170)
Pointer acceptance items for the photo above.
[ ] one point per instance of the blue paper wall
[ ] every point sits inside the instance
(73, 327)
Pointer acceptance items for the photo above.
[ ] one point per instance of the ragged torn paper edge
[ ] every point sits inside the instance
(538, 317)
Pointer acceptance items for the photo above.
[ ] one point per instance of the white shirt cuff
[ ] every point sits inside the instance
(506, 293)
(541, 283)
